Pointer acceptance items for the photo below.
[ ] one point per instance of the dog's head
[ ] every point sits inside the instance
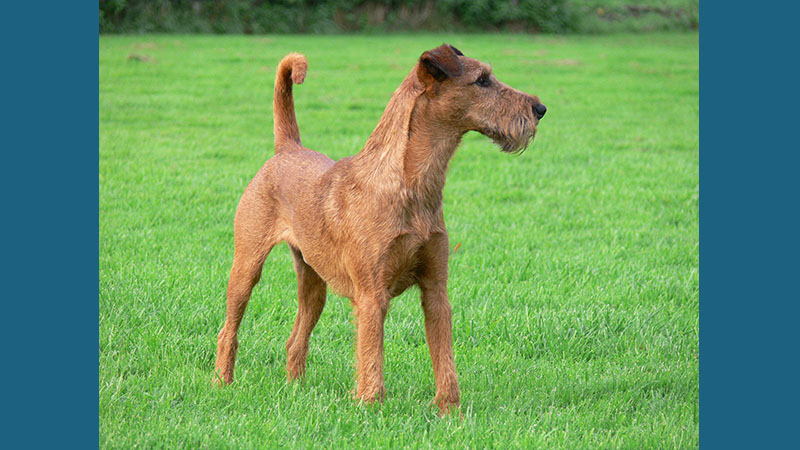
(469, 97)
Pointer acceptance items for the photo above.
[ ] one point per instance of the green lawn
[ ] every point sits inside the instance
(574, 289)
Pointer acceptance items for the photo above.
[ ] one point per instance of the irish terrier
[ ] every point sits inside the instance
(370, 226)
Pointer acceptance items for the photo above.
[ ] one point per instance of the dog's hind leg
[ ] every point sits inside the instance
(311, 291)
(245, 274)
(254, 235)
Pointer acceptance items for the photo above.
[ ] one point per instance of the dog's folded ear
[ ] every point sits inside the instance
(439, 64)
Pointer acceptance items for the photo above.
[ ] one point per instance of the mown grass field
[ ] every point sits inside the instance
(574, 287)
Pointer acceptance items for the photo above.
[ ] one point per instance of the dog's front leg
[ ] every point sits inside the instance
(370, 314)
(439, 322)
(438, 331)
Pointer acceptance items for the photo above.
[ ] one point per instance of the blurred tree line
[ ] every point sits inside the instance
(336, 16)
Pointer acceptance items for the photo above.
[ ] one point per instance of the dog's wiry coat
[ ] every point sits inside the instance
(371, 225)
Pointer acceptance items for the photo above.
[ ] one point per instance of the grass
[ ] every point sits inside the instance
(575, 287)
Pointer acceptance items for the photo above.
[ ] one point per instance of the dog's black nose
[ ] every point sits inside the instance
(539, 110)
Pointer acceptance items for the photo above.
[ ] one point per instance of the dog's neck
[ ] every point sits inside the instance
(431, 145)
(408, 149)
(390, 137)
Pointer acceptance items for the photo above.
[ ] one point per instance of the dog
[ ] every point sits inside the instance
(371, 225)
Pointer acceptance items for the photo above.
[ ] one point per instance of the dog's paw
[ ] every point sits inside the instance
(370, 396)
(218, 379)
(295, 373)
(447, 407)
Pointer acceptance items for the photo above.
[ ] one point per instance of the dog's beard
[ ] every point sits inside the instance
(515, 138)
(514, 146)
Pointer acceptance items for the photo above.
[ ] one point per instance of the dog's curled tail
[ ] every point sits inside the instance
(291, 69)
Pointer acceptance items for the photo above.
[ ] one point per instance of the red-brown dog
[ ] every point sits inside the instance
(371, 225)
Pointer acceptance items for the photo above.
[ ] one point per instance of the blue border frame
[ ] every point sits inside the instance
(748, 224)
(50, 189)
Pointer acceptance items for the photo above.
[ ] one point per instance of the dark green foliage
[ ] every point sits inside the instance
(530, 15)
(333, 16)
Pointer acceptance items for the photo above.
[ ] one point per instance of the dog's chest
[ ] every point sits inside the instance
(401, 261)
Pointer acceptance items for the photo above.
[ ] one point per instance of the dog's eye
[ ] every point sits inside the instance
(483, 81)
